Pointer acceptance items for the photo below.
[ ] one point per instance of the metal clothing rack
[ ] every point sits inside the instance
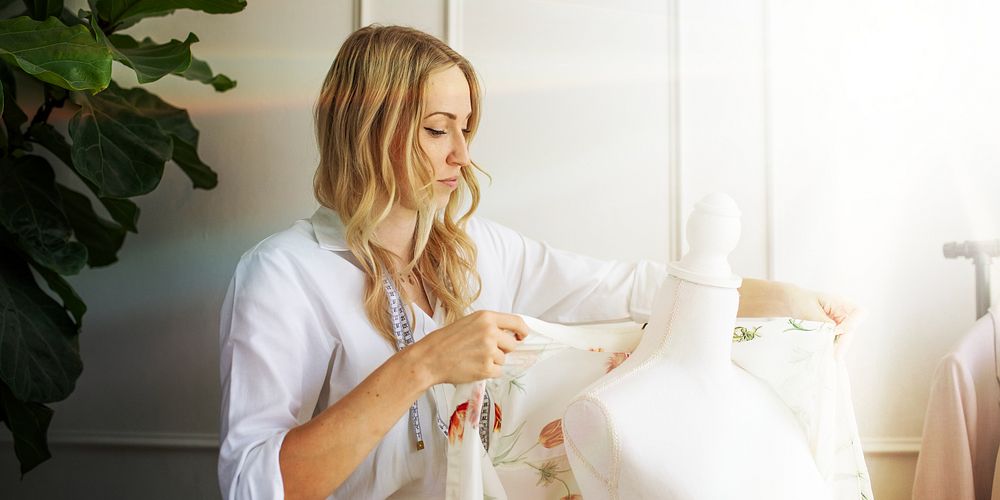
(981, 253)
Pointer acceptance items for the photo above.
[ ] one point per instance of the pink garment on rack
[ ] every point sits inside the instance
(958, 452)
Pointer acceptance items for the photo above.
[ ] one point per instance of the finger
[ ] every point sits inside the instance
(499, 358)
(513, 323)
(507, 341)
(851, 321)
(843, 343)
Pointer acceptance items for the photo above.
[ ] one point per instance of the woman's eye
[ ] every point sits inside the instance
(434, 131)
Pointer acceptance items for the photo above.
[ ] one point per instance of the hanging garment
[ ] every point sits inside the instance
(516, 449)
(958, 451)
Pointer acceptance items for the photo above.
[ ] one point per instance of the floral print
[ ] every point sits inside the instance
(497, 417)
(548, 472)
(476, 402)
(456, 429)
(533, 393)
(615, 359)
(552, 434)
(743, 334)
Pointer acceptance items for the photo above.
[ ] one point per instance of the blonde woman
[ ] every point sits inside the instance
(325, 395)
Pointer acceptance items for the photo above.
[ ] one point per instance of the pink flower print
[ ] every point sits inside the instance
(552, 434)
(496, 417)
(615, 359)
(456, 429)
(476, 402)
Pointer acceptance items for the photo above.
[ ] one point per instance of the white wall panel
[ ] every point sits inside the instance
(722, 117)
(574, 126)
(883, 138)
(424, 15)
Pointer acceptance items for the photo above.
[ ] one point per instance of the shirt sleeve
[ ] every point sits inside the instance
(564, 287)
(274, 359)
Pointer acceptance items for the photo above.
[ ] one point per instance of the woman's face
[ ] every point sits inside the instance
(447, 108)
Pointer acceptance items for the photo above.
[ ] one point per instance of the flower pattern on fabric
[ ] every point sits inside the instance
(549, 472)
(497, 417)
(456, 428)
(791, 355)
(743, 334)
(615, 359)
(552, 434)
(476, 402)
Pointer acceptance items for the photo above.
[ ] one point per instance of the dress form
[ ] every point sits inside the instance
(719, 432)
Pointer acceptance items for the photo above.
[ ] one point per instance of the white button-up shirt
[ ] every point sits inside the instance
(295, 339)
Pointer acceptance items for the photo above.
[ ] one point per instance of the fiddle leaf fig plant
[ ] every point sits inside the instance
(116, 144)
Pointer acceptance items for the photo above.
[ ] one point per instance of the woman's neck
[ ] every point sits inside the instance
(395, 233)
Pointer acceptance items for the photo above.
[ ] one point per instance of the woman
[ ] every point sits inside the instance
(317, 400)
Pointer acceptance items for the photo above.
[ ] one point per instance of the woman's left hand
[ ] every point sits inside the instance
(817, 306)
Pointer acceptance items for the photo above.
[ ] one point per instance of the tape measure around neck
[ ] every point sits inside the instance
(404, 337)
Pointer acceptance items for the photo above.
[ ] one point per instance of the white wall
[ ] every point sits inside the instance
(857, 138)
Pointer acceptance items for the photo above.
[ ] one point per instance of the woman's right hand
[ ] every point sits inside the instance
(472, 348)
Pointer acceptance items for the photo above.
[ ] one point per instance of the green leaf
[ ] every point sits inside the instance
(70, 299)
(149, 60)
(65, 56)
(102, 238)
(39, 355)
(70, 19)
(123, 13)
(123, 211)
(116, 147)
(186, 157)
(28, 423)
(41, 9)
(200, 71)
(13, 117)
(30, 208)
(177, 123)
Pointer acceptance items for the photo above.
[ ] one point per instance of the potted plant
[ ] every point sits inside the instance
(117, 143)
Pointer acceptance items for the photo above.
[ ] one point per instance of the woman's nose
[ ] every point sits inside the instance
(460, 150)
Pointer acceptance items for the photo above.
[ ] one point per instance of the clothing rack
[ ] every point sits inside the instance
(981, 253)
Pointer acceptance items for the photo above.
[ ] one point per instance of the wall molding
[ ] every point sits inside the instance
(769, 188)
(208, 441)
(361, 13)
(675, 186)
(129, 439)
(453, 24)
(891, 446)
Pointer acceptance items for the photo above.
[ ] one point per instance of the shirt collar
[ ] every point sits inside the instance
(329, 229)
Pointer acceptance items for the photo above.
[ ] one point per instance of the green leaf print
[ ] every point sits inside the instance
(742, 334)
(797, 325)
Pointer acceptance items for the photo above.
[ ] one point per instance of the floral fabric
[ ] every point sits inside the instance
(524, 456)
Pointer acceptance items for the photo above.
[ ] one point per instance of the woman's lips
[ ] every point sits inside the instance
(450, 182)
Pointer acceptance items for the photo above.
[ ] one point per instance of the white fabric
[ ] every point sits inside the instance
(792, 361)
(294, 339)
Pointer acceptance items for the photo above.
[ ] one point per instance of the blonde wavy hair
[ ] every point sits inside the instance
(367, 118)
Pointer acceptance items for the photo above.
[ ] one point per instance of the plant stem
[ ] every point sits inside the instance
(42, 115)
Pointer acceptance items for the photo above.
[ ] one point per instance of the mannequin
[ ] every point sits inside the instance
(721, 433)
